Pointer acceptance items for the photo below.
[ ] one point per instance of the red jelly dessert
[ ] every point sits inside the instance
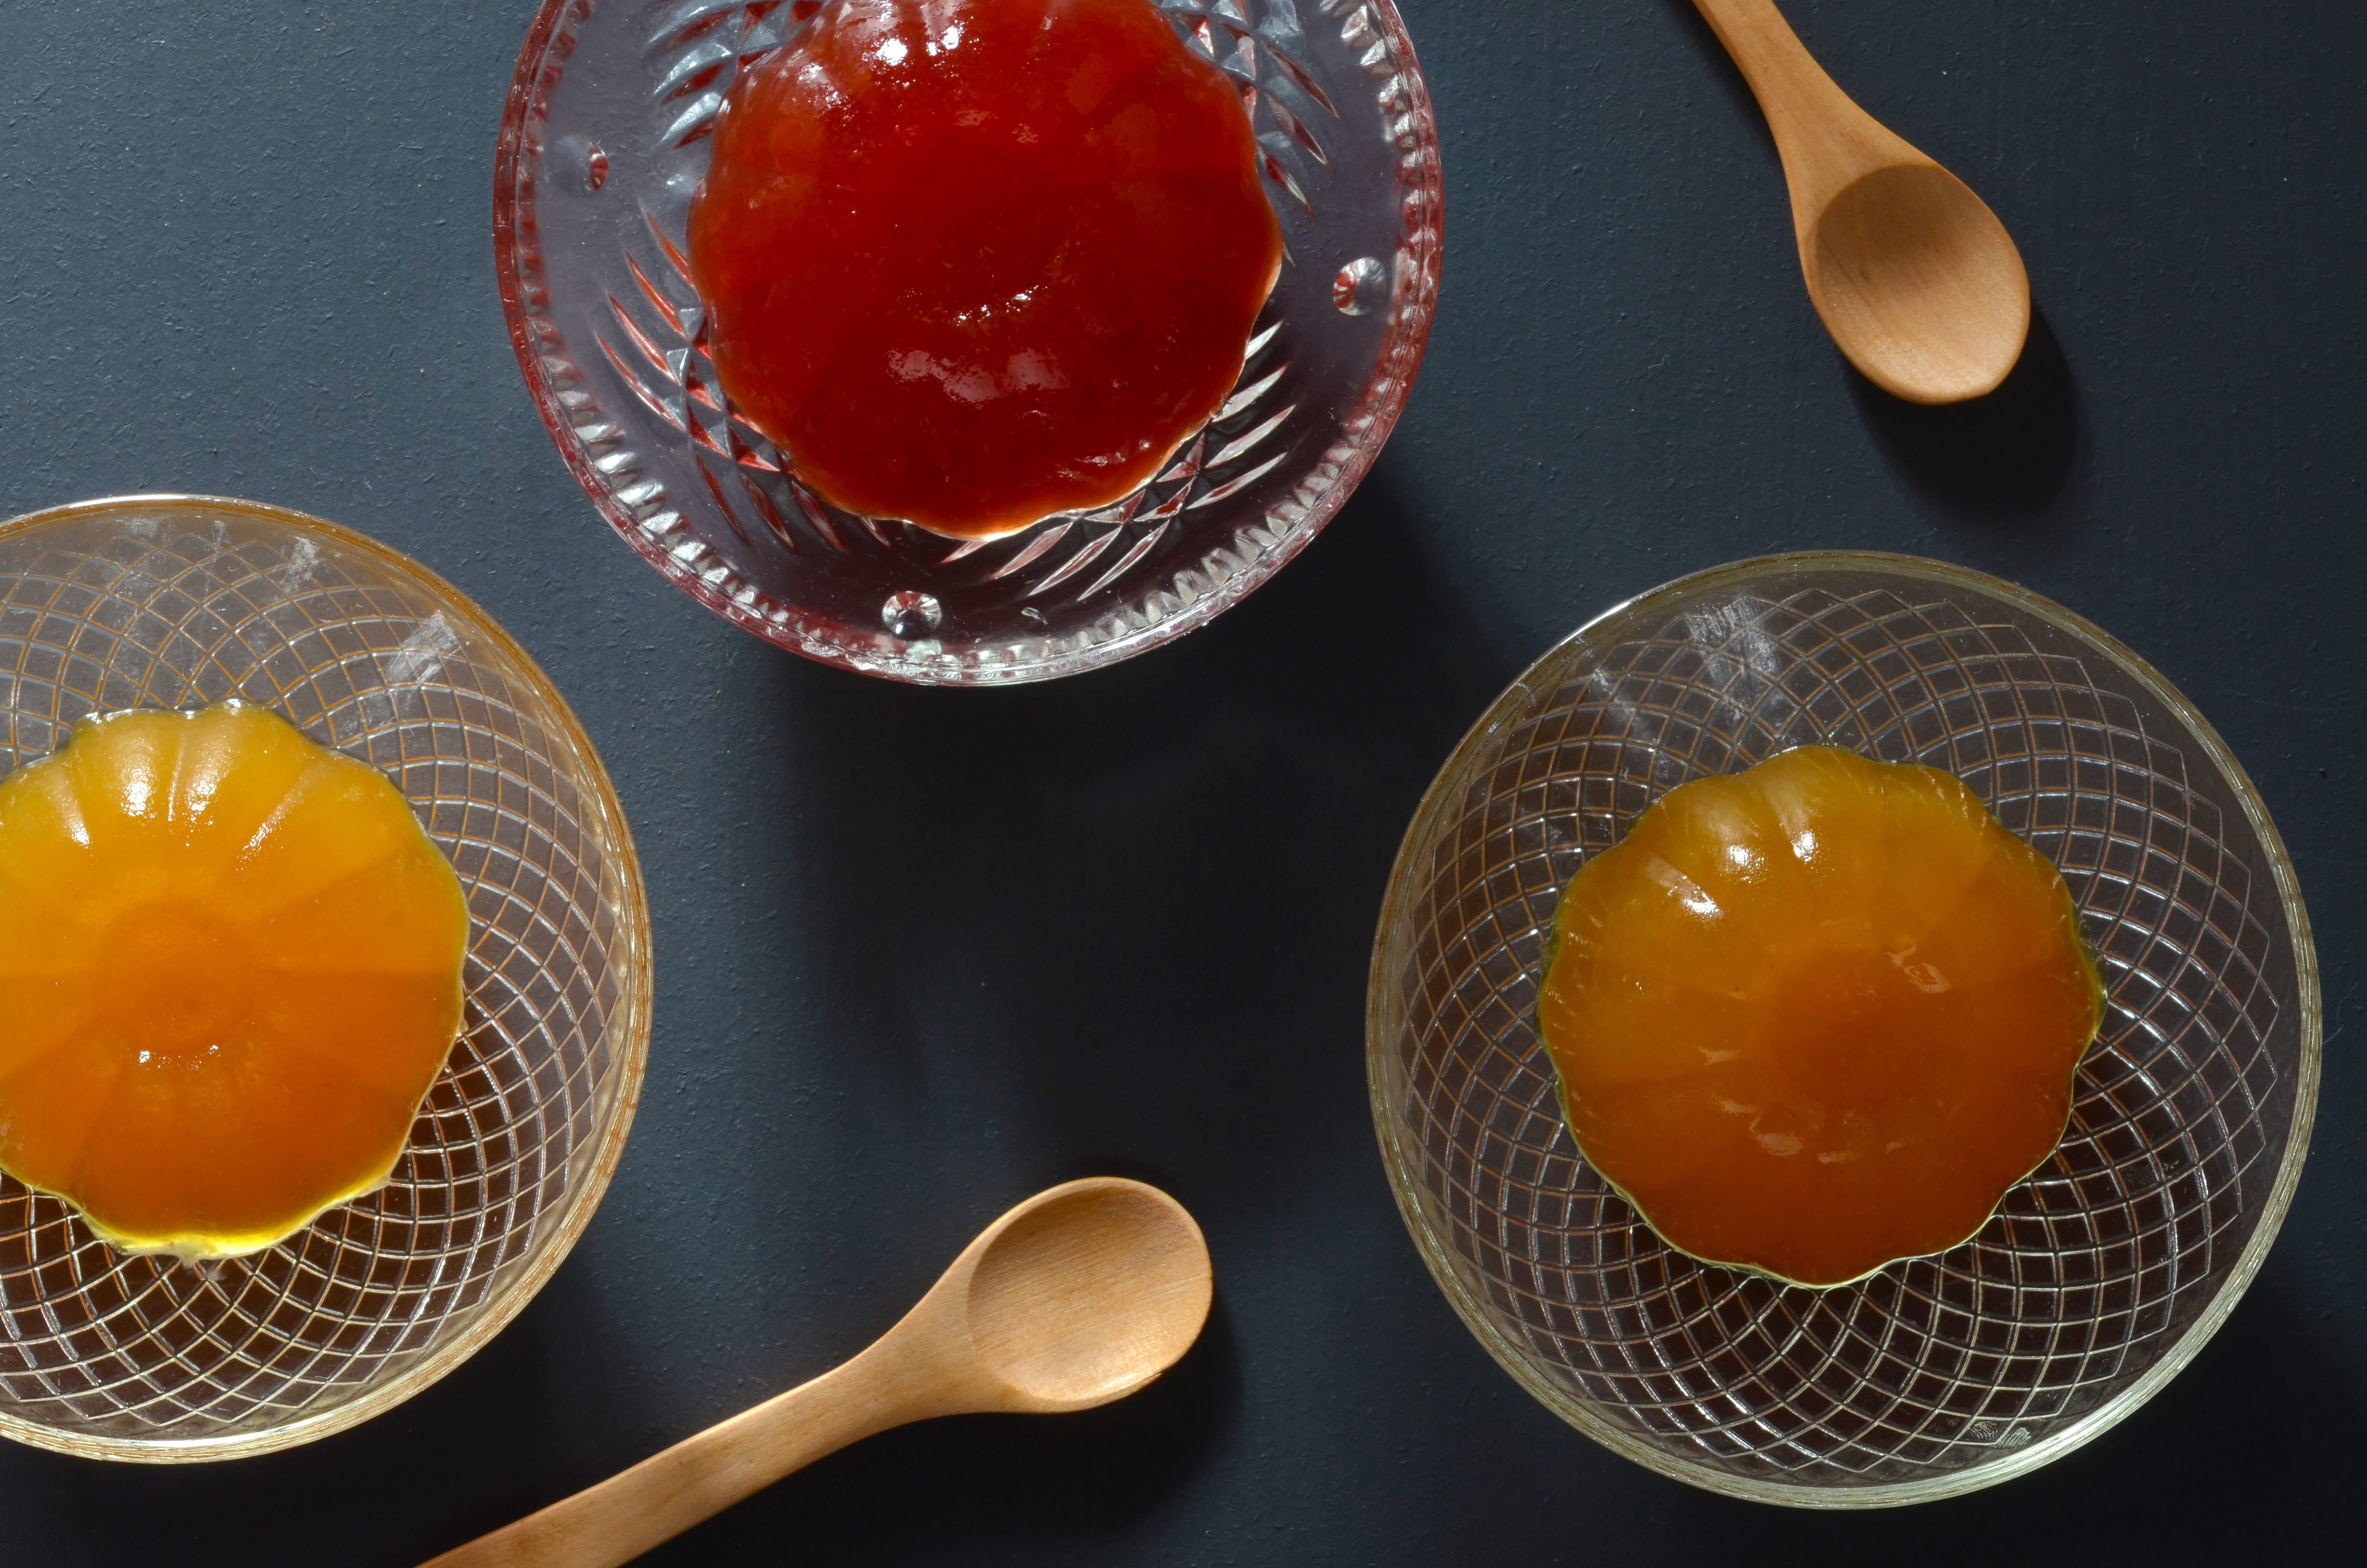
(974, 262)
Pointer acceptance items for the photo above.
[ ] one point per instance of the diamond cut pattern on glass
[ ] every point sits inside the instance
(612, 342)
(1939, 1371)
(183, 606)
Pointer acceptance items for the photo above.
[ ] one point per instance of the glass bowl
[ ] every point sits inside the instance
(604, 141)
(2099, 1277)
(177, 601)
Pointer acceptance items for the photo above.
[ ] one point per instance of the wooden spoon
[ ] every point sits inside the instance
(1914, 275)
(1078, 1296)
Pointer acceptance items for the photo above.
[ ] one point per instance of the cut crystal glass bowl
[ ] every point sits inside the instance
(2099, 1277)
(604, 139)
(182, 602)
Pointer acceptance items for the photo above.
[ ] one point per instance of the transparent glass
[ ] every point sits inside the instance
(2099, 1276)
(604, 139)
(183, 601)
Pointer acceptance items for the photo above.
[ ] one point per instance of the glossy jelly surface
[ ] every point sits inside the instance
(1818, 1016)
(230, 970)
(971, 263)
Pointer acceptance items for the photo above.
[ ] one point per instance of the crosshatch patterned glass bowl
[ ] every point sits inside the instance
(2099, 1276)
(604, 139)
(180, 602)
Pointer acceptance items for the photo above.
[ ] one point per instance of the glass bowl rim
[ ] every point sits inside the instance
(1604, 631)
(802, 635)
(636, 993)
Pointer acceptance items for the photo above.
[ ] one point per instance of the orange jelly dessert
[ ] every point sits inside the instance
(230, 970)
(971, 263)
(1818, 1016)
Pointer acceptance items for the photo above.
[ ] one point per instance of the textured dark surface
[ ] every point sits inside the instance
(922, 952)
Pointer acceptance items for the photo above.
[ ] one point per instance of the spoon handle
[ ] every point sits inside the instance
(663, 1495)
(1804, 108)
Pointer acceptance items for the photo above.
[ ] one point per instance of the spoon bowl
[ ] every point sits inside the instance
(1919, 283)
(1087, 1292)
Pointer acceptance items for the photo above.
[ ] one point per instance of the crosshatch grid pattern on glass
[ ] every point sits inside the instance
(1939, 1373)
(179, 605)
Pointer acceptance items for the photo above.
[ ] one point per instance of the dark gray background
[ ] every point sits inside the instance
(922, 953)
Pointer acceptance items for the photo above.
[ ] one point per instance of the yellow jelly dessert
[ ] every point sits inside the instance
(230, 969)
(1818, 1016)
